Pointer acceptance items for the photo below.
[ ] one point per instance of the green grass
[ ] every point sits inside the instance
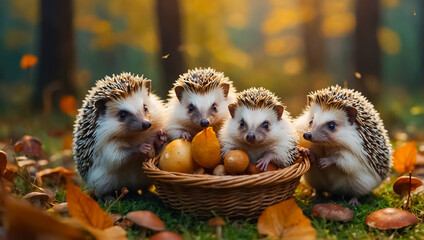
(193, 228)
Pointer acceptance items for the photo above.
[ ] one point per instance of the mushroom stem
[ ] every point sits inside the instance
(143, 233)
(219, 232)
(409, 190)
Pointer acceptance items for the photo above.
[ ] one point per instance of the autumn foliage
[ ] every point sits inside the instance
(405, 157)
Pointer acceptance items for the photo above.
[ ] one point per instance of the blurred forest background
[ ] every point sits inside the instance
(291, 47)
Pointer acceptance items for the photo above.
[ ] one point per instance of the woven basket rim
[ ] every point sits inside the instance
(275, 177)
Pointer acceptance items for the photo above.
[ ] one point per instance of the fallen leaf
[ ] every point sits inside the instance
(31, 146)
(110, 233)
(68, 105)
(285, 220)
(3, 162)
(84, 208)
(26, 222)
(28, 60)
(52, 173)
(404, 157)
(166, 56)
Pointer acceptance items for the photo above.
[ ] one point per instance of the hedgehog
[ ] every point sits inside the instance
(118, 126)
(199, 99)
(261, 127)
(347, 141)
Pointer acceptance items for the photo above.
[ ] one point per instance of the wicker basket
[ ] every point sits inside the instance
(231, 196)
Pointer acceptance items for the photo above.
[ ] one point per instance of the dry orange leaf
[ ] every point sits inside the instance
(165, 56)
(285, 220)
(84, 208)
(52, 173)
(3, 162)
(31, 146)
(26, 222)
(68, 105)
(111, 233)
(28, 60)
(405, 157)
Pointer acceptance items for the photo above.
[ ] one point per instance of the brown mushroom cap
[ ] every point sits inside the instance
(166, 236)
(61, 207)
(390, 218)
(146, 219)
(332, 211)
(401, 185)
(3, 161)
(33, 196)
(217, 221)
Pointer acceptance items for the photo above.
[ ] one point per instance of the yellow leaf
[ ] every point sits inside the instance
(405, 157)
(388, 40)
(285, 220)
(165, 56)
(84, 208)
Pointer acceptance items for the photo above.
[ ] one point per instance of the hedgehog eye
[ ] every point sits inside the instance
(242, 123)
(123, 114)
(145, 108)
(214, 107)
(190, 108)
(265, 125)
(331, 125)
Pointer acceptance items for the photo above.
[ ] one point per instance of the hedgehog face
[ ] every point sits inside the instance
(126, 116)
(204, 109)
(333, 127)
(254, 127)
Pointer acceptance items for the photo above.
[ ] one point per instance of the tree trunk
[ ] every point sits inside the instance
(168, 13)
(314, 42)
(367, 51)
(57, 56)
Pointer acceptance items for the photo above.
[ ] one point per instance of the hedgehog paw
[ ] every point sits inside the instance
(146, 148)
(324, 162)
(305, 152)
(262, 163)
(161, 139)
(354, 201)
(185, 135)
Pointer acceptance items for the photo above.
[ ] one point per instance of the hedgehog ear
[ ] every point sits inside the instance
(226, 88)
(232, 108)
(179, 92)
(352, 113)
(148, 85)
(101, 106)
(279, 109)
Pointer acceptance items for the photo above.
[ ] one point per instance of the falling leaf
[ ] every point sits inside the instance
(31, 146)
(404, 157)
(53, 173)
(166, 56)
(26, 222)
(68, 105)
(84, 208)
(358, 75)
(3, 162)
(28, 60)
(285, 220)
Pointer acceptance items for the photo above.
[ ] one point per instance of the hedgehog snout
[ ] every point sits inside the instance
(146, 125)
(250, 137)
(204, 123)
(307, 136)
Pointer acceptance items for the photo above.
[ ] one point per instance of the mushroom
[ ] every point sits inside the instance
(61, 207)
(37, 199)
(218, 223)
(390, 218)
(166, 236)
(405, 185)
(3, 162)
(332, 211)
(146, 220)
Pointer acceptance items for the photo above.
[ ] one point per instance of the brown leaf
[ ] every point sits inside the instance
(3, 162)
(53, 173)
(31, 146)
(285, 220)
(28, 60)
(404, 157)
(26, 222)
(87, 210)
